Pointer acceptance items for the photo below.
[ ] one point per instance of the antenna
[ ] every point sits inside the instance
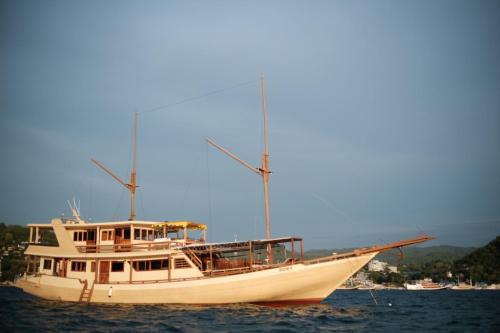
(75, 209)
(131, 186)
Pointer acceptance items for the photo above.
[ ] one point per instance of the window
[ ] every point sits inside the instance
(144, 234)
(126, 234)
(151, 265)
(141, 266)
(155, 265)
(78, 266)
(47, 263)
(107, 235)
(92, 266)
(137, 234)
(79, 236)
(117, 266)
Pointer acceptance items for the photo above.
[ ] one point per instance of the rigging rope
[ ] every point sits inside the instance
(198, 97)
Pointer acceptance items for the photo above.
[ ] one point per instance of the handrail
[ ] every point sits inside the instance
(127, 247)
(194, 258)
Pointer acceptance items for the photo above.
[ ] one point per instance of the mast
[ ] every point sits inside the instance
(263, 170)
(133, 173)
(131, 186)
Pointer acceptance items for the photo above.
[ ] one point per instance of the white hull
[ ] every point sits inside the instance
(299, 283)
(419, 287)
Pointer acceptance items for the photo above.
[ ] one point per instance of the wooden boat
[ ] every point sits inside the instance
(138, 261)
(425, 284)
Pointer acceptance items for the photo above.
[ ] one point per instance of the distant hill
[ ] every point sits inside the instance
(411, 255)
(482, 264)
(422, 255)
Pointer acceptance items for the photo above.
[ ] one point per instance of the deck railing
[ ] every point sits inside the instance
(130, 247)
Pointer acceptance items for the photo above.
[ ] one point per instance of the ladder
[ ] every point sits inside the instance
(194, 258)
(86, 293)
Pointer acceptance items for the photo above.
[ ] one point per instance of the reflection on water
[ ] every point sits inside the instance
(344, 311)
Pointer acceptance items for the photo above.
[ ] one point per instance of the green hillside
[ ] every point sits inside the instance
(411, 255)
(482, 264)
(422, 255)
(11, 250)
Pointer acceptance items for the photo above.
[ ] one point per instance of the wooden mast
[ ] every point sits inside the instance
(263, 170)
(133, 173)
(131, 186)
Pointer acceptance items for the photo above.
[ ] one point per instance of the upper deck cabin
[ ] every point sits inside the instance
(63, 244)
(121, 236)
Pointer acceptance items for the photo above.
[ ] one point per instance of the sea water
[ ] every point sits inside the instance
(343, 311)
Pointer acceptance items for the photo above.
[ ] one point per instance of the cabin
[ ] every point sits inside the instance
(146, 252)
(107, 252)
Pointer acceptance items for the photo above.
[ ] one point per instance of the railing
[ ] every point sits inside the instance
(130, 247)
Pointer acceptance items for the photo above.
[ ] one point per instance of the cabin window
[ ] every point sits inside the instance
(117, 266)
(144, 234)
(151, 265)
(126, 234)
(142, 266)
(181, 263)
(91, 235)
(159, 264)
(92, 266)
(137, 234)
(79, 236)
(107, 235)
(47, 263)
(150, 235)
(78, 266)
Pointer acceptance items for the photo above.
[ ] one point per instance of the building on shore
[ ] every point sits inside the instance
(380, 266)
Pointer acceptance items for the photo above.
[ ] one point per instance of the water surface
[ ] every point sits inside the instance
(343, 311)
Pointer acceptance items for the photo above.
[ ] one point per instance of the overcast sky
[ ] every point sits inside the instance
(384, 116)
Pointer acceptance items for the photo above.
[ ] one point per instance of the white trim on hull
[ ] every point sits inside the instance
(299, 283)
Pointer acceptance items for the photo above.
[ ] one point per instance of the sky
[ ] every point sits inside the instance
(384, 116)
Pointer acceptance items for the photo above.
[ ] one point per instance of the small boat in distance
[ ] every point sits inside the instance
(425, 284)
(172, 262)
(463, 286)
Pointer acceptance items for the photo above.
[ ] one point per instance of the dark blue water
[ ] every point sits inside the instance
(343, 311)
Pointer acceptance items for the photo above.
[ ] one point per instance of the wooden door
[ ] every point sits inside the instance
(118, 235)
(104, 272)
(91, 241)
(63, 267)
(122, 244)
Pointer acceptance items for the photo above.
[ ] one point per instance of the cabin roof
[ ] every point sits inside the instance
(176, 225)
(170, 225)
(244, 243)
